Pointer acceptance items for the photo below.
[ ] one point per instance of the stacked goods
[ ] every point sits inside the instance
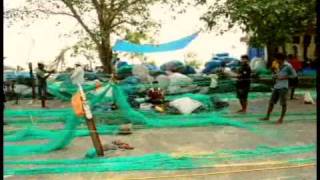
(173, 66)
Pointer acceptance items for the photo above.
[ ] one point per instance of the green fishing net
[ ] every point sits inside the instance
(56, 139)
(65, 89)
(125, 113)
(157, 161)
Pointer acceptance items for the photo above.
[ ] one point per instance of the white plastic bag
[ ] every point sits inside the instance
(177, 81)
(307, 98)
(214, 81)
(142, 72)
(257, 64)
(185, 105)
(163, 81)
(22, 89)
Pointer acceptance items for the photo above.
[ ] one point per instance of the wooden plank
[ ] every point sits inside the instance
(91, 124)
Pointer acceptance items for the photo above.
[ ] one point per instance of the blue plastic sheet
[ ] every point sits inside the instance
(174, 65)
(211, 66)
(222, 55)
(255, 52)
(122, 45)
(121, 64)
(188, 70)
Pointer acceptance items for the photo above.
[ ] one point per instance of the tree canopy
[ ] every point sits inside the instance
(268, 22)
(99, 19)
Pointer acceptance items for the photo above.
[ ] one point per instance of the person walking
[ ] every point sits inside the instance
(280, 89)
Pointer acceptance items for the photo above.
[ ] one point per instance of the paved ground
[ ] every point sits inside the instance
(297, 130)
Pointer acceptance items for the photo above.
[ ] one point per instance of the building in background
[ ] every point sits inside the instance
(303, 45)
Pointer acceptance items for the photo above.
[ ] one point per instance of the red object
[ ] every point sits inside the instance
(98, 85)
(296, 64)
(122, 145)
(155, 94)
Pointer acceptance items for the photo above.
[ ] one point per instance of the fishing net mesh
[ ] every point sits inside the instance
(112, 93)
(157, 161)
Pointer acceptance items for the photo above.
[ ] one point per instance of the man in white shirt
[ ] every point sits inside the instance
(77, 77)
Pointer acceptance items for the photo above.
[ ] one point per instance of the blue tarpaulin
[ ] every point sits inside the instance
(255, 52)
(125, 46)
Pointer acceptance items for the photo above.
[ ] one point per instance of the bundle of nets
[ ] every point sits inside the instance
(125, 113)
(56, 140)
(174, 65)
(65, 89)
(124, 71)
(110, 93)
(148, 119)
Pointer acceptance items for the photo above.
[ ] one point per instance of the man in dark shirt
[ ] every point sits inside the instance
(42, 76)
(294, 81)
(243, 83)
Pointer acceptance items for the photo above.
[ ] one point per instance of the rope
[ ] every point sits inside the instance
(223, 172)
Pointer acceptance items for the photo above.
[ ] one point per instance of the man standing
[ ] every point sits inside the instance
(42, 76)
(77, 77)
(297, 66)
(243, 83)
(280, 89)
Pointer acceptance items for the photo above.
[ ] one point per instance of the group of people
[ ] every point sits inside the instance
(77, 77)
(284, 75)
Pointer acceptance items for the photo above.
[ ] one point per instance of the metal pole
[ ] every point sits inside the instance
(32, 81)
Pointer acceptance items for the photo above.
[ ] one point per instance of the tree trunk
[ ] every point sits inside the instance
(105, 54)
(106, 60)
(284, 50)
(105, 50)
(271, 50)
(306, 43)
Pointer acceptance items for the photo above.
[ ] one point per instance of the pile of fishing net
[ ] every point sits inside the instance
(57, 139)
(125, 113)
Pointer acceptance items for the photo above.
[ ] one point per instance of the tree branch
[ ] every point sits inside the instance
(46, 11)
(125, 5)
(120, 22)
(99, 11)
(121, 7)
(78, 18)
(96, 4)
(104, 25)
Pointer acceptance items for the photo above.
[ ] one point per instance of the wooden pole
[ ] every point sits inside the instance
(32, 81)
(91, 124)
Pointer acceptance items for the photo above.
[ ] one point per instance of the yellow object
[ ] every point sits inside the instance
(275, 66)
(159, 109)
